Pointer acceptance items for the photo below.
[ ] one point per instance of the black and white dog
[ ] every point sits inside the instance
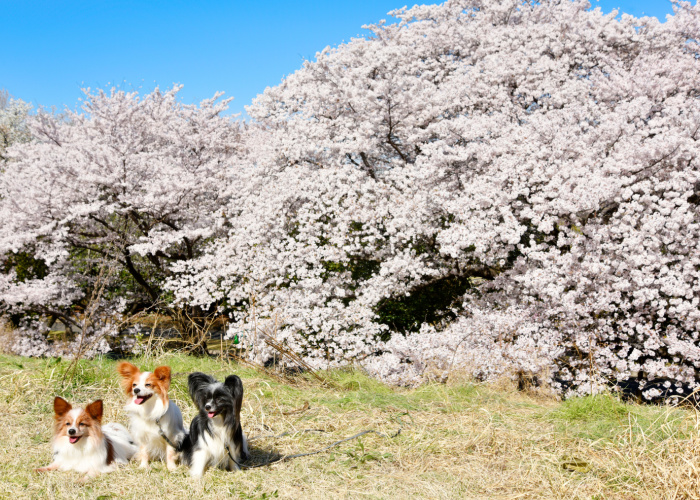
(216, 437)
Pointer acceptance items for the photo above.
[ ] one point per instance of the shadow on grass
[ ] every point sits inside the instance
(260, 457)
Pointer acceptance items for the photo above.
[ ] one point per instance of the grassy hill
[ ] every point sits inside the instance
(458, 440)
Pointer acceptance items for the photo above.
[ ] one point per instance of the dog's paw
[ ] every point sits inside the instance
(48, 468)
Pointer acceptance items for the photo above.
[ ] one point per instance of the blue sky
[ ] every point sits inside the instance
(52, 48)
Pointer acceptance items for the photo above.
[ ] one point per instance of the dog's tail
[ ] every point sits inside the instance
(123, 444)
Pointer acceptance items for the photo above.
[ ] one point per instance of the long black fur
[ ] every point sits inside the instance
(227, 400)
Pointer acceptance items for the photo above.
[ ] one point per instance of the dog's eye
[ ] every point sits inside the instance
(82, 424)
(148, 385)
(67, 424)
(133, 385)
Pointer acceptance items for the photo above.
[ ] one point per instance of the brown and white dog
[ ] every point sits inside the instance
(81, 443)
(152, 414)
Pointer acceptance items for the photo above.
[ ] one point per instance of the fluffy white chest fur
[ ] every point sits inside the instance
(216, 443)
(145, 429)
(90, 454)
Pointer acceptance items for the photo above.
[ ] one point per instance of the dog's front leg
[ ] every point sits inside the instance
(48, 468)
(88, 476)
(232, 457)
(171, 457)
(143, 456)
(241, 447)
(199, 464)
(232, 466)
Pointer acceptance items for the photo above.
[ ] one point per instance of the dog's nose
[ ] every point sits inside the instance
(207, 407)
(71, 431)
(137, 390)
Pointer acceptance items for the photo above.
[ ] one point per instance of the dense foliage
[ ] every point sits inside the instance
(497, 186)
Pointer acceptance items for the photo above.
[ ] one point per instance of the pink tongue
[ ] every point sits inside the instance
(138, 401)
(212, 414)
(73, 440)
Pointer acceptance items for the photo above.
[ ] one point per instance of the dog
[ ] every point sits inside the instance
(216, 437)
(81, 443)
(155, 421)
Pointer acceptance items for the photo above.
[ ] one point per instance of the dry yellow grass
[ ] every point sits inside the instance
(7, 336)
(457, 441)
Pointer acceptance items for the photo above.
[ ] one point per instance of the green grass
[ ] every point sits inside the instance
(596, 418)
(460, 440)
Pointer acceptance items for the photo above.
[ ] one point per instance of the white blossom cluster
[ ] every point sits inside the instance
(98, 334)
(13, 125)
(543, 151)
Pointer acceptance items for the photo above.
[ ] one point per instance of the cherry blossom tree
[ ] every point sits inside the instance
(130, 184)
(533, 164)
(496, 187)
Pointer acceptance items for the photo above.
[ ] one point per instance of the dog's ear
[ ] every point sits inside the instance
(196, 382)
(126, 369)
(235, 385)
(162, 374)
(95, 409)
(61, 406)
(128, 372)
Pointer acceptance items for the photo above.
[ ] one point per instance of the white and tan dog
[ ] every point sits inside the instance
(156, 422)
(81, 443)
